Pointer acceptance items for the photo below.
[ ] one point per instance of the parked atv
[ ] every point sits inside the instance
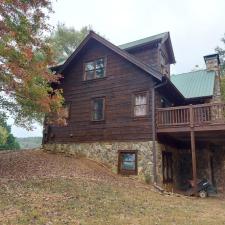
(204, 188)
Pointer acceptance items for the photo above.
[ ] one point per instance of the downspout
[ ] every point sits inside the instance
(154, 131)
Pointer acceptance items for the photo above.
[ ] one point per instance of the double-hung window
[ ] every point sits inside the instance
(98, 109)
(94, 69)
(140, 104)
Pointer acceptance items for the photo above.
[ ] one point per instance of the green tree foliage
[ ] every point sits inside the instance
(25, 80)
(64, 40)
(3, 135)
(3, 131)
(9, 142)
(223, 88)
(221, 52)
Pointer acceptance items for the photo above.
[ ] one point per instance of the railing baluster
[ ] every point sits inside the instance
(202, 114)
(181, 113)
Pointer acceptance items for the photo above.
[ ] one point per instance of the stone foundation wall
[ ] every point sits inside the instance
(204, 168)
(107, 152)
(219, 169)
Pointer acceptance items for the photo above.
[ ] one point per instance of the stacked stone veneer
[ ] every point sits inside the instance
(107, 152)
(217, 90)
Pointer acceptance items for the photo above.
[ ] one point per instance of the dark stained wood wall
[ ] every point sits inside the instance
(148, 55)
(163, 48)
(122, 80)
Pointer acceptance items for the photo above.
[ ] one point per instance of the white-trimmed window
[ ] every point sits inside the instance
(140, 104)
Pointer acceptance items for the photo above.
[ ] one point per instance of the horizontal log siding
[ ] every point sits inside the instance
(121, 81)
(148, 55)
(165, 51)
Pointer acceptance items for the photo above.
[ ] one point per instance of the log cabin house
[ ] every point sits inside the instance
(123, 108)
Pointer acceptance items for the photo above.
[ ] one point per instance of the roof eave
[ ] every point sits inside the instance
(199, 97)
(172, 93)
(56, 68)
(174, 87)
(172, 56)
(142, 45)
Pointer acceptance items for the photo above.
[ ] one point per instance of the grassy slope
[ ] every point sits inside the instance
(85, 193)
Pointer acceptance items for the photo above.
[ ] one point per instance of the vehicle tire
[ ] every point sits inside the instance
(203, 194)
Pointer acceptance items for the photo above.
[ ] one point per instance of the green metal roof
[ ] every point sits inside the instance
(143, 41)
(195, 84)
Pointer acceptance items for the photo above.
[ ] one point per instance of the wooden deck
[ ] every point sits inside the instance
(192, 121)
(202, 117)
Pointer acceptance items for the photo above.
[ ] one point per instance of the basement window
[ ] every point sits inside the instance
(127, 162)
(94, 69)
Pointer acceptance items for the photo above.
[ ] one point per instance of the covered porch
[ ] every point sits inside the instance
(196, 136)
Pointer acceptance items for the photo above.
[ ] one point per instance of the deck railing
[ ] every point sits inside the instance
(192, 115)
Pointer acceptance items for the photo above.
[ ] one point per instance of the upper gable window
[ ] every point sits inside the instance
(94, 69)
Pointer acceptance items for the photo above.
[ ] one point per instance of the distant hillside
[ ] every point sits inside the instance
(29, 142)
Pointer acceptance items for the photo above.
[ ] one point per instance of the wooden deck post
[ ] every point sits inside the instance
(193, 150)
(154, 137)
(193, 154)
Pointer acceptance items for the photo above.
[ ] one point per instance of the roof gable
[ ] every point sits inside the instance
(92, 35)
(130, 58)
(144, 41)
(163, 38)
(195, 84)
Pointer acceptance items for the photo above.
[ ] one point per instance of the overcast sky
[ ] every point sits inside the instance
(195, 26)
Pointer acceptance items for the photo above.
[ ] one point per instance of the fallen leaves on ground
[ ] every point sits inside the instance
(48, 189)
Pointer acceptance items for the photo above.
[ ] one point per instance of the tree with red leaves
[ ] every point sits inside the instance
(25, 56)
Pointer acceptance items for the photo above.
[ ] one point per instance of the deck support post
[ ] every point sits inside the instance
(193, 154)
(154, 138)
(193, 150)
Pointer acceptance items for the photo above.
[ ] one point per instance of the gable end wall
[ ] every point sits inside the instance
(122, 80)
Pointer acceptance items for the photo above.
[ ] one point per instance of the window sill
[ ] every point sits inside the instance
(97, 121)
(95, 79)
(128, 172)
(140, 117)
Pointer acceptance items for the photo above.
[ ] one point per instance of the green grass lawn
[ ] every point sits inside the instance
(87, 200)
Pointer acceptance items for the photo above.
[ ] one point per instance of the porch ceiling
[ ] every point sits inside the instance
(183, 139)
